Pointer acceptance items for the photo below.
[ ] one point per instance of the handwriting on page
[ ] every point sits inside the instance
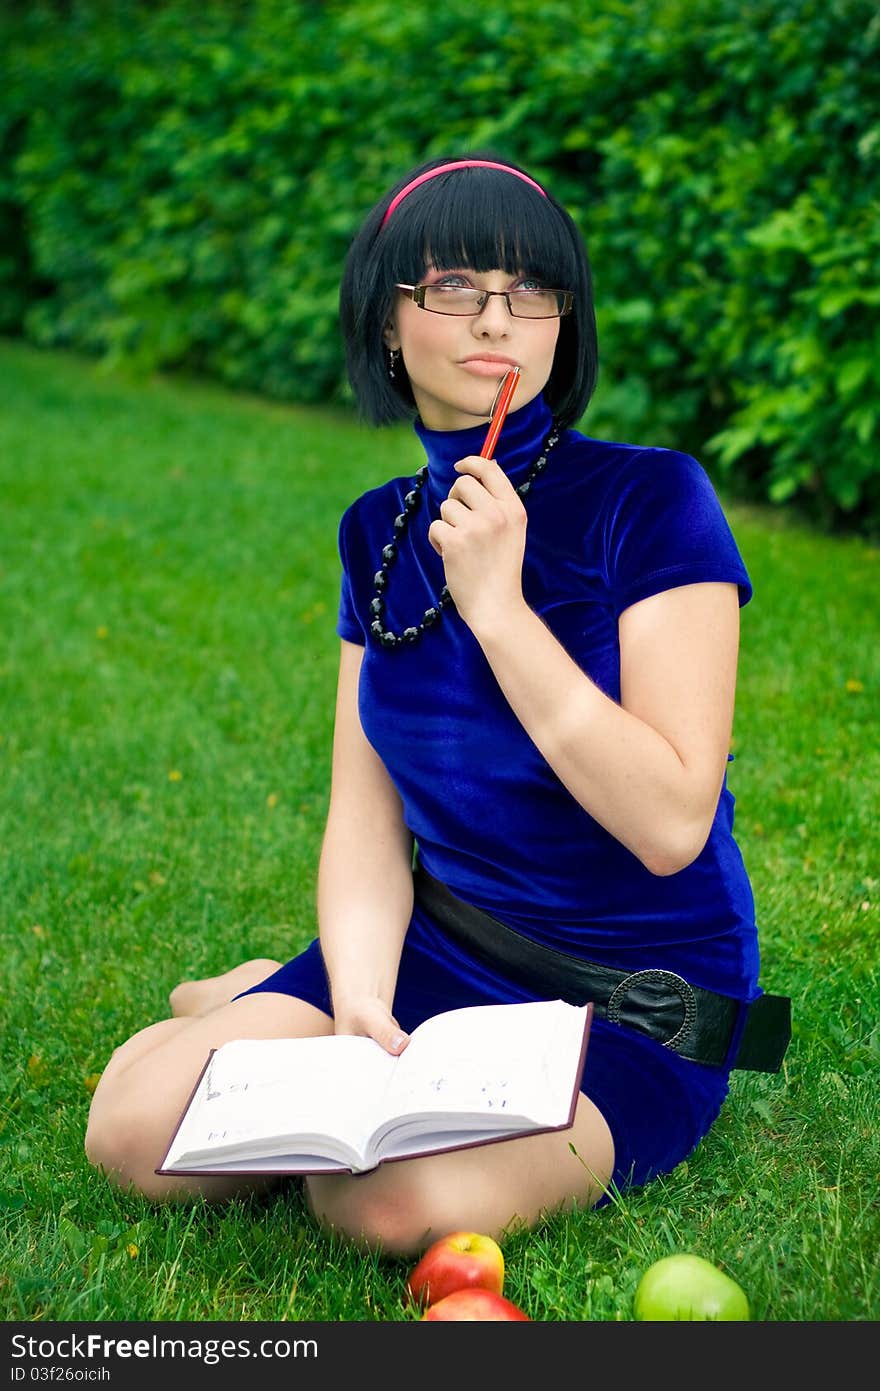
(235, 1105)
(215, 1093)
(489, 1094)
(246, 1086)
(220, 1084)
(458, 1084)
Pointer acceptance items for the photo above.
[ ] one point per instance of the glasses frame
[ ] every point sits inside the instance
(417, 295)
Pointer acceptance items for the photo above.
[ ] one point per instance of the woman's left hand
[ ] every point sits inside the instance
(481, 538)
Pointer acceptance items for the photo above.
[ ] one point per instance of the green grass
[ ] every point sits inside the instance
(168, 581)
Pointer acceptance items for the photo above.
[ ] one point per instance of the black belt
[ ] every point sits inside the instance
(695, 1023)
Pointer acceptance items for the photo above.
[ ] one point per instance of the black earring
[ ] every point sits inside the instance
(393, 355)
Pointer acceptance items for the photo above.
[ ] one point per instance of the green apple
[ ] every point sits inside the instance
(686, 1286)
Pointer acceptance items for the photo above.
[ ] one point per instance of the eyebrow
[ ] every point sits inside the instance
(468, 271)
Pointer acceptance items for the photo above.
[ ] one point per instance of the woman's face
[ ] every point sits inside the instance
(455, 363)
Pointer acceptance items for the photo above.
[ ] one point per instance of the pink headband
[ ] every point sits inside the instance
(458, 164)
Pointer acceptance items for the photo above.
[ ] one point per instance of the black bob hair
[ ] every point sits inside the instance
(482, 218)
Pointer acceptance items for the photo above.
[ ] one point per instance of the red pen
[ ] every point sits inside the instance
(502, 402)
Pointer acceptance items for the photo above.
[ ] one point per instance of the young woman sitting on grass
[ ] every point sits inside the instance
(535, 700)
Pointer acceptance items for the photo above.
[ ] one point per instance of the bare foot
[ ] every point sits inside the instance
(194, 998)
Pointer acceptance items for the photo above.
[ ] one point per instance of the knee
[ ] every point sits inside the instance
(118, 1145)
(392, 1222)
(109, 1143)
(402, 1217)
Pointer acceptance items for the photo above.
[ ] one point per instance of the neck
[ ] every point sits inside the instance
(519, 444)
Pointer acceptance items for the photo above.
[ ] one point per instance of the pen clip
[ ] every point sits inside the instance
(500, 405)
(501, 386)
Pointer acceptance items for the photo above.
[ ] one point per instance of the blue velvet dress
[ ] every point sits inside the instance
(608, 524)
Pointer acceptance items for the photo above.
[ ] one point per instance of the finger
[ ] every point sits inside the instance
(490, 474)
(470, 491)
(375, 1021)
(389, 1034)
(453, 511)
(438, 532)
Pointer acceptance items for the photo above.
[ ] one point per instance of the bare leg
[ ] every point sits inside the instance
(149, 1079)
(197, 997)
(401, 1208)
(398, 1208)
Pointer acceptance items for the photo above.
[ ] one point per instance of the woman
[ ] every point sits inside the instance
(536, 693)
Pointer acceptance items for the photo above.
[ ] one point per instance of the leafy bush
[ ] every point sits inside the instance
(179, 183)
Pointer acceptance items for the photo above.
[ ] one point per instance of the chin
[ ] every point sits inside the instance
(463, 409)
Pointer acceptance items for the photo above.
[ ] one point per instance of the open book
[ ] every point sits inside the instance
(315, 1105)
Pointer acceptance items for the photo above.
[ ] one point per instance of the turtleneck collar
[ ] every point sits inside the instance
(521, 440)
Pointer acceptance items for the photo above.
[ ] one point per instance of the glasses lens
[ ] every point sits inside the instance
(452, 299)
(524, 304)
(536, 304)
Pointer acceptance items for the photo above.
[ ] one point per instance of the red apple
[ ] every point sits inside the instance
(473, 1305)
(459, 1261)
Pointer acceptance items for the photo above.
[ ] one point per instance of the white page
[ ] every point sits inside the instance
(497, 1060)
(273, 1164)
(399, 1145)
(262, 1088)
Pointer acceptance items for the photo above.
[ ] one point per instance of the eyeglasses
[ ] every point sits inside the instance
(465, 300)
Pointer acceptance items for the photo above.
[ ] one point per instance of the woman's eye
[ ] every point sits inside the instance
(530, 283)
(457, 281)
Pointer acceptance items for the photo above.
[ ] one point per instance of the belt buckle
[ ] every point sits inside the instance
(615, 1009)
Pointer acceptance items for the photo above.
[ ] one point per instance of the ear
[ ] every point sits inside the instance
(390, 336)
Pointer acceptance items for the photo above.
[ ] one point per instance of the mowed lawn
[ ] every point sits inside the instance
(168, 588)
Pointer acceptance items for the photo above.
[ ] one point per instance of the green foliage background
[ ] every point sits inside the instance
(179, 182)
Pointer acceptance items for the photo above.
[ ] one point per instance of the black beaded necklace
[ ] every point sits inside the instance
(383, 635)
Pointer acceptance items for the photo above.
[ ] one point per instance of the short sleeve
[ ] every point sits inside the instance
(666, 527)
(348, 625)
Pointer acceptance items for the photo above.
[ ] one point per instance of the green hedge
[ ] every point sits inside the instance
(179, 183)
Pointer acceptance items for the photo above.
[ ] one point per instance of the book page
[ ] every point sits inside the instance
(491, 1061)
(257, 1090)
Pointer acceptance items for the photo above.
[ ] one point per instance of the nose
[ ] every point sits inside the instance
(494, 319)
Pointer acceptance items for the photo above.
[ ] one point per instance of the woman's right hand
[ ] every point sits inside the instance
(370, 1017)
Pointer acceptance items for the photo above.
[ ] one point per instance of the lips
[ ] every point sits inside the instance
(488, 366)
(494, 358)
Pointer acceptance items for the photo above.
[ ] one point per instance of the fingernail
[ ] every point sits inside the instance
(397, 1042)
